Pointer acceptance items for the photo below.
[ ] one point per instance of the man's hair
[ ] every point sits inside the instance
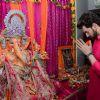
(87, 19)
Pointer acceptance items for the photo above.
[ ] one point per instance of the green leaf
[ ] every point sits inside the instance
(53, 0)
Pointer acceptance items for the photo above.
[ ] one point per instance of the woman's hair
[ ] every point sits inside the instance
(87, 19)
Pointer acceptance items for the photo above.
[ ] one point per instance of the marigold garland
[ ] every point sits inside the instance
(60, 5)
(15, 1)
(36, 1)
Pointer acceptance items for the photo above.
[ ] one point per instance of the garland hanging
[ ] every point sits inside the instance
(36, 1)
(18, 1)
(57, 3)
(73, 12)
(15, 1)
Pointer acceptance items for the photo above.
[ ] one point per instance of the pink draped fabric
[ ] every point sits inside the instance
(58, 33)
(5, 9)
(37, 22)
(0, 15)
(94, 84)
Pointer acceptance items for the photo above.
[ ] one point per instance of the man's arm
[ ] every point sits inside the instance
(87, 50)
(95, 64)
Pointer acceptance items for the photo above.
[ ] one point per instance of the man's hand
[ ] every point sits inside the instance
(86, 49)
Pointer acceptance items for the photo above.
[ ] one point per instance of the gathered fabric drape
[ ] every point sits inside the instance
(54, 31)
(59, 31)
(0, 15)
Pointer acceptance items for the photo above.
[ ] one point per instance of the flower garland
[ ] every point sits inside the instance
(37, 1)
(15, 1)
(60, 5)
(73, 12)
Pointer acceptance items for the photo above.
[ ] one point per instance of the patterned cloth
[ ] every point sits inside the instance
(25, 83)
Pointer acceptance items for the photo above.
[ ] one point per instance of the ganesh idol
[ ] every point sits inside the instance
(23, 74)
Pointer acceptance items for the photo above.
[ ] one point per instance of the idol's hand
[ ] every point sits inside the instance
(86, 49)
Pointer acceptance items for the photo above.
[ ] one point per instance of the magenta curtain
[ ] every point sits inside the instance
(37, 16)
(5, 8)
(0, 15)
(58, 33)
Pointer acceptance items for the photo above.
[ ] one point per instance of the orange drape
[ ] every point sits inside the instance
(31, 19)
(15, 6)
(44, 7)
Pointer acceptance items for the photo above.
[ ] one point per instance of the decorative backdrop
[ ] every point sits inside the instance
(59, 32)
(49, 22)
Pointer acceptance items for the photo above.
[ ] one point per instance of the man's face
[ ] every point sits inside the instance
(89, 32)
